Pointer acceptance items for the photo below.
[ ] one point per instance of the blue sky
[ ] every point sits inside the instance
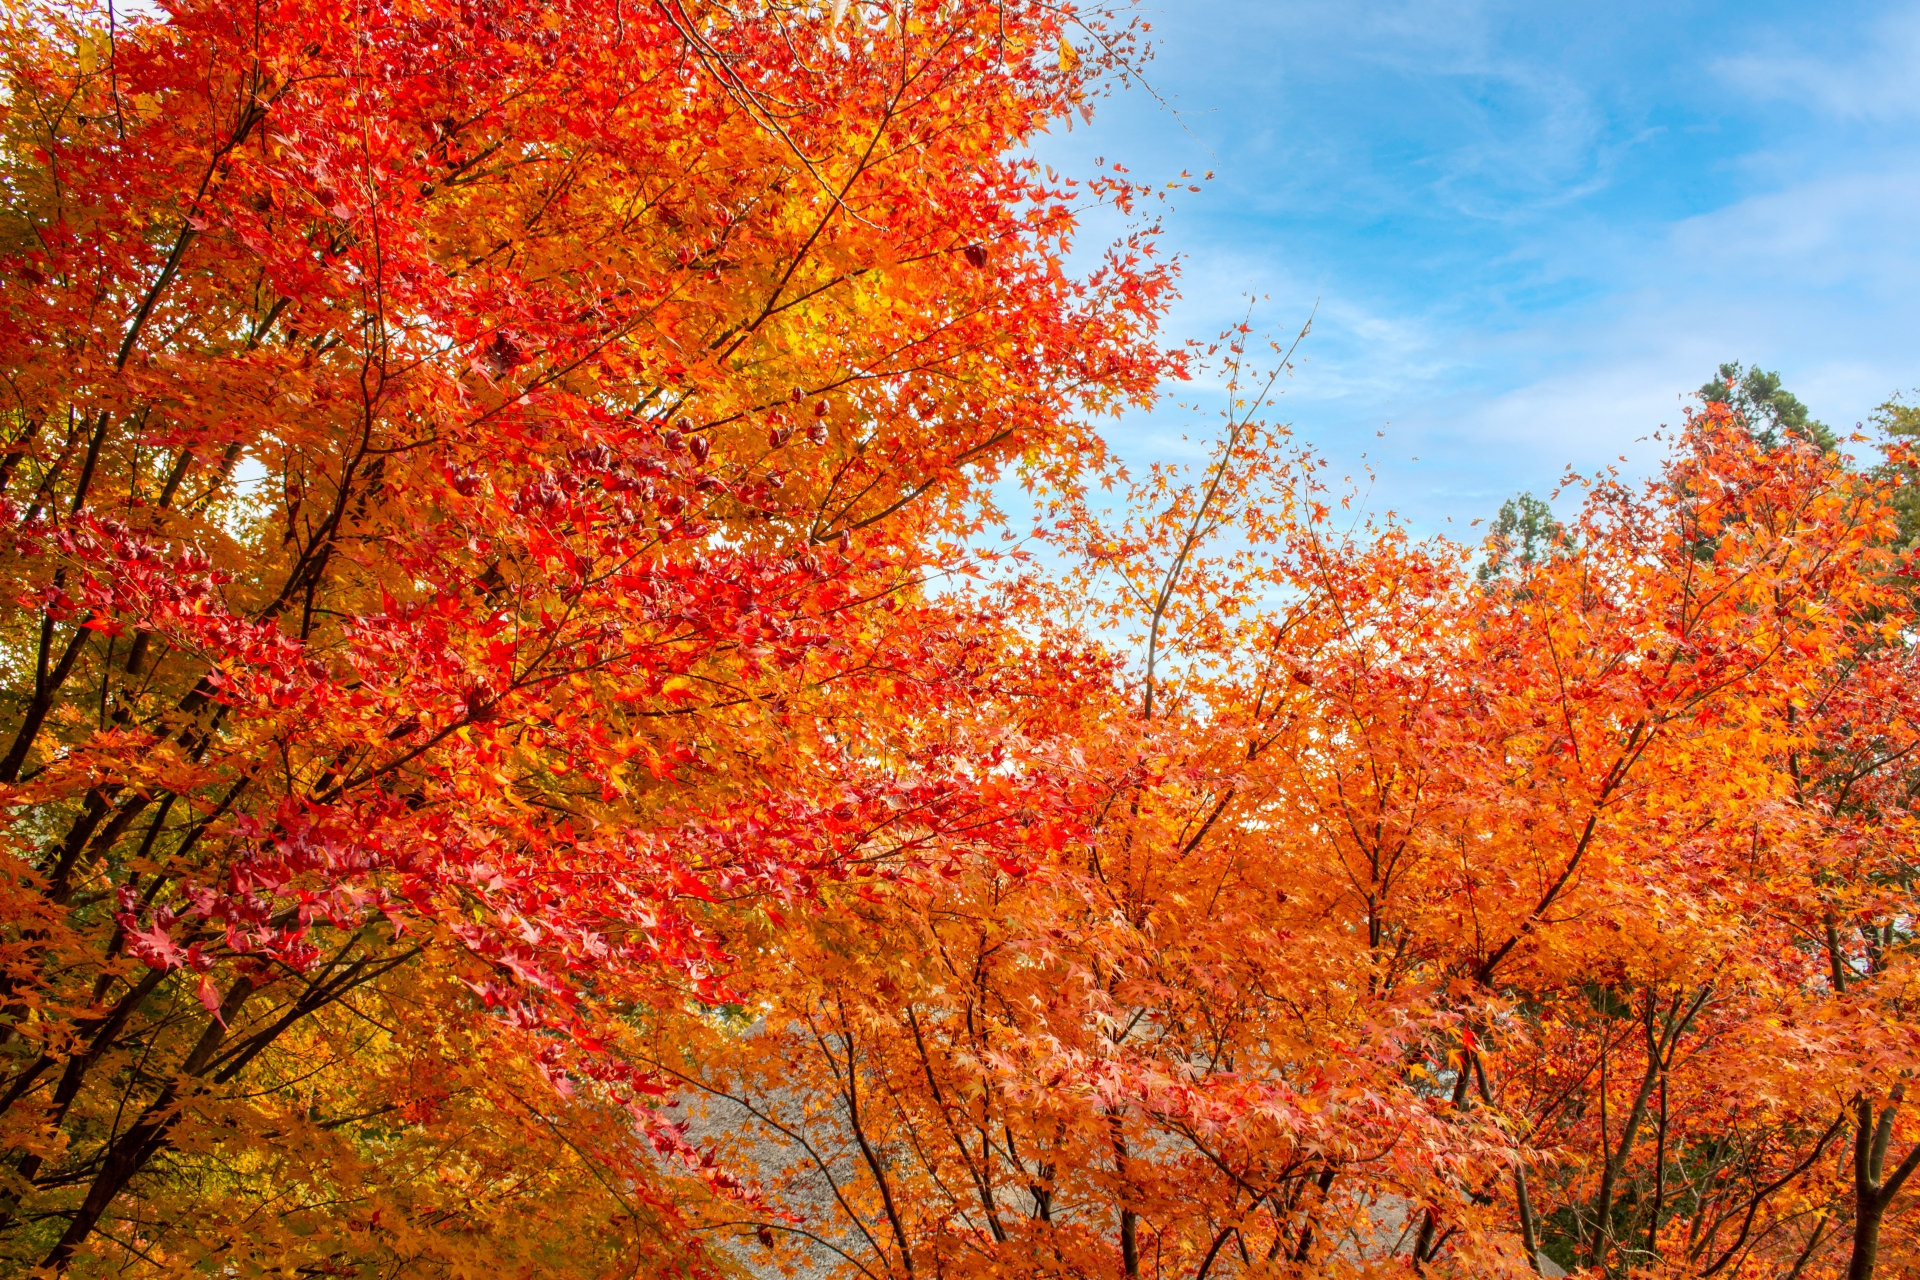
(1532, 229)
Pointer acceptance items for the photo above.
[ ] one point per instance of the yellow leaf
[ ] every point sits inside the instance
(1069, 56)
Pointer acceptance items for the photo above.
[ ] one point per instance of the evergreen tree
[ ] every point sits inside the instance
(1770, 411)
(1523, 534)
(1901, 421)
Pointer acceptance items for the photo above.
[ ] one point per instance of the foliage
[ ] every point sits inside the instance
(473, 473)
(1768, 409)
(517, 762)
(1520, 535)
(1417, 919)
(1900, 423)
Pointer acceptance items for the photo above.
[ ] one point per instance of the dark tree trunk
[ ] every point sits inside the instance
(1873, 1191)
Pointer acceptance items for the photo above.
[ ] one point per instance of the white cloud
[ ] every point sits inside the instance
(1497, 327)
(1860, 227)
(1880, 82)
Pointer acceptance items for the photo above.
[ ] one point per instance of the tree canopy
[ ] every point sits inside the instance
(527, 753)
(1768, 409)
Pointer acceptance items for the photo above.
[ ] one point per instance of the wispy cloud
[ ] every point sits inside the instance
(1877, 80)
(1533, 231)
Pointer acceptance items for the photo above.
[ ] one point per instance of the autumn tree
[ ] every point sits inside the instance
(471, 475)
(1397, 917)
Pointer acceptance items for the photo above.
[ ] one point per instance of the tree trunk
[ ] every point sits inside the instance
(1866, 1241)
(1872, 1191)
(131, 1151)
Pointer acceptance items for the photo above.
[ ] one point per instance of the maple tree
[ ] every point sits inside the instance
(471, 473)
(1416, 918)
